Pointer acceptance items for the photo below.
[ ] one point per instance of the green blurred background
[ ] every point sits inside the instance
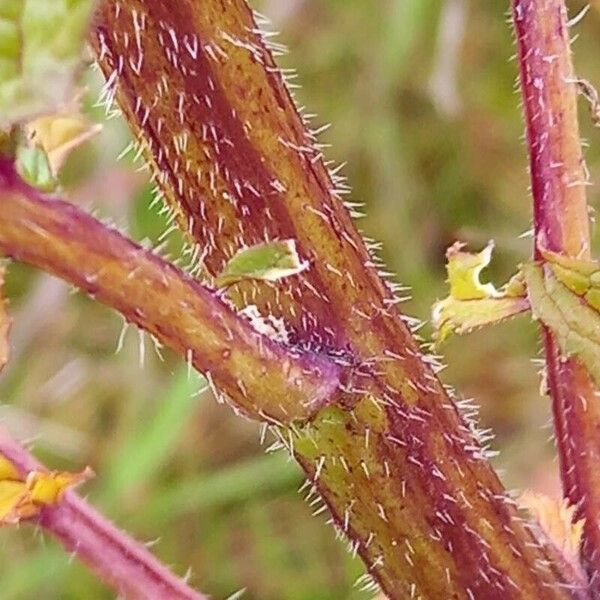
(421, 94)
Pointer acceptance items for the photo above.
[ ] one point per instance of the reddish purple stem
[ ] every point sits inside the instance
(561, 224)
(116, 558)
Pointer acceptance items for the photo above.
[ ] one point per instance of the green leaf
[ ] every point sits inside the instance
(34, 167)
(581, 276)
(472, 304)
(575, 324)
(268, 262)
(41, 43)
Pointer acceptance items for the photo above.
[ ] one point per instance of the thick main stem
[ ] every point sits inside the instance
(399, 467)
(561, 224)
(120, 561)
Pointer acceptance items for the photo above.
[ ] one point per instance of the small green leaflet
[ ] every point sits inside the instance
(270, 261)
(574, 322)
(43, 145)
(58, 135)
(581, 276)
(34, 167)
(464, 269)
(472, 304)
(562, 292)
(41, 44)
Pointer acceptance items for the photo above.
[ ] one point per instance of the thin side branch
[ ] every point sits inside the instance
(120, 561)
(561, 224)
(264, 379)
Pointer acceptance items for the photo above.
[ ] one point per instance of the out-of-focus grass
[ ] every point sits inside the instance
(139, 456)
(173, 465)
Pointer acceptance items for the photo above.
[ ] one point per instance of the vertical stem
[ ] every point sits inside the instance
(561, 224)
(550, 98)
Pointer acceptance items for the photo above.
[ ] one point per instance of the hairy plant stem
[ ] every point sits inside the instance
(266, 380)
(120, 561)
(398, 466)
(382, 466)
(561, 224)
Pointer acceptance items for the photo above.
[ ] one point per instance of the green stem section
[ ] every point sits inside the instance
(561, 224)
(4, 323)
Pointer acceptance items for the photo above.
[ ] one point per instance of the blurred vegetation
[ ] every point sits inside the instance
(421, 94)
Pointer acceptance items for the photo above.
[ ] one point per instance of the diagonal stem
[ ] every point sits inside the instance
(120, 561)
(263, 378)
(561, 224)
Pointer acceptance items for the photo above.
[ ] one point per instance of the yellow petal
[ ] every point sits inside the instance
(7, 469)
(21, 497)
(12, 495)
(46, 488)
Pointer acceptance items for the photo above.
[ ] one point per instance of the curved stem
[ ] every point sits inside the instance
(561, 224)
(264, 379)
